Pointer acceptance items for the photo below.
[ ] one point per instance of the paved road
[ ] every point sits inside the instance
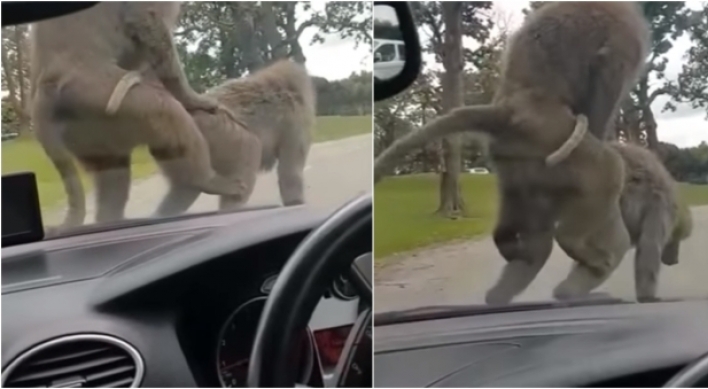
(461, 273)
(336, 171)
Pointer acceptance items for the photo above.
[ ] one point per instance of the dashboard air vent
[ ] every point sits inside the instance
(88, 361)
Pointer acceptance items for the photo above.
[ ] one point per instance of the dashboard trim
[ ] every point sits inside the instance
(607, 342)
(132, 351)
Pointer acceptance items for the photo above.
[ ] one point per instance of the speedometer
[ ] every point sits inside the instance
(236, 341)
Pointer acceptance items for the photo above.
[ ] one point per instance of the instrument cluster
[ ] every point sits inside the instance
(317, 352)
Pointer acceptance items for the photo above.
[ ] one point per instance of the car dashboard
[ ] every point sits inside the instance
(217, 338)
(170, 304)
(613, 345)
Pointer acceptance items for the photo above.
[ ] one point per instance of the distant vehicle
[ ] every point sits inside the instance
(479, 170)
(389, 58)
(9, 136)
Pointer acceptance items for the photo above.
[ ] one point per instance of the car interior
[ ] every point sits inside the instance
(260, 297)
(596, 343)
(282, 296)
(177, 303)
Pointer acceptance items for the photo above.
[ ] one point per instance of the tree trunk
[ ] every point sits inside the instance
(228, 55)
(20, 43)
(451, 200)
(631, 121)
(293, 34)
(241, 42)
(270, 31)
(13, 75)
(647, 116)
(650, 127)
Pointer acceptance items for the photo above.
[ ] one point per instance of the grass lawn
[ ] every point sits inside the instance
(404, 209)
(404, 212)
(338, 127)
(26, 155)
(694, 194)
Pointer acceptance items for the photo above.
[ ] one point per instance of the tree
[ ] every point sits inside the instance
(689, 164)
(448, 23)
(348, 19)
(451, 200)
(218, 40)
(668, 21)
(692, 83)
(480, 85)
(424, 99)
(398, 115)
(476, 24)
(229, 39)
(15, 68)
(349, 96)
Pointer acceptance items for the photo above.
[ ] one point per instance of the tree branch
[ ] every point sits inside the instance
(434, 26)
(656, 93)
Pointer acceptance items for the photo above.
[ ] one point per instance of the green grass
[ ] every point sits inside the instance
(404, 211)
(338, 127)
(25, 154)
(694, 194)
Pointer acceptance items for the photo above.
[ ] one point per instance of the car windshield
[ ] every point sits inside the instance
(437, 209)
(291, 80)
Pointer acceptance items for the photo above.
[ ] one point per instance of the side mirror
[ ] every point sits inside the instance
(393, 20)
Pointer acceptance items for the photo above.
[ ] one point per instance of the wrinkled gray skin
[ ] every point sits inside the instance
(276, 104)
(76, 62)
(651, 212)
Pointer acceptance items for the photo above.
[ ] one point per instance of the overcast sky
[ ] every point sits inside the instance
(685, 127)
(336, 58)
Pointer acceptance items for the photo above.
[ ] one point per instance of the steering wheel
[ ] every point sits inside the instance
(324, 254)
(691, 375)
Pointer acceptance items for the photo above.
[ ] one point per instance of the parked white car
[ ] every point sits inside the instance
(9, 136)
(479, 170)
(389, 58)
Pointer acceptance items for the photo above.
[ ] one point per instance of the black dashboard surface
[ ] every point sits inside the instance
(145, 284)
(604, 345)
(94, 255)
